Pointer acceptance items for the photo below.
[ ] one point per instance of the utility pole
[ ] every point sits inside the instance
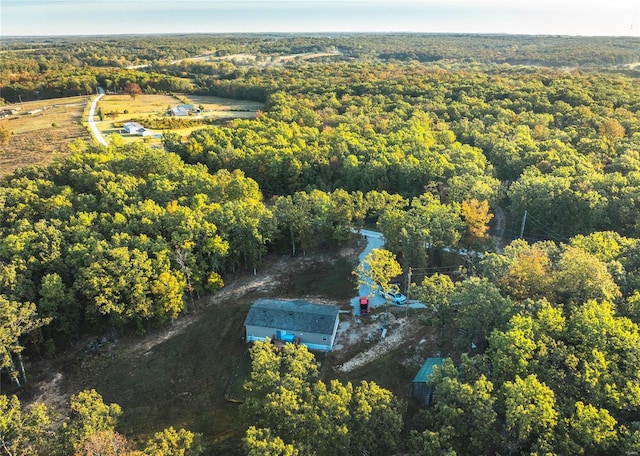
(524, 219)
(406, 313)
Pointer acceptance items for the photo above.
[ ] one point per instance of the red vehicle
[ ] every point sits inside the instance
(364, 305)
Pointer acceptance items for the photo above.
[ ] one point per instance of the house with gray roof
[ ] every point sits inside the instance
(133, 128)
(179, 111)
(314, 325)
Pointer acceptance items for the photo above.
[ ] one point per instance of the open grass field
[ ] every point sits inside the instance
(39, 137)
(141, 105)
(121, 108)
(226, 108)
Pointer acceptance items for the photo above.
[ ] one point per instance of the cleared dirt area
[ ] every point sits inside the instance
(252, 59)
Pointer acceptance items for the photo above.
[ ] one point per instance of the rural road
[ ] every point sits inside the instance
(92, 124)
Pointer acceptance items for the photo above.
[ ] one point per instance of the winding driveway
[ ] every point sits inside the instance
(375, 240)
(92, 124)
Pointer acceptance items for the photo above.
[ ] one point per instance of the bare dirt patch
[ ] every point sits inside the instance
(360, 340)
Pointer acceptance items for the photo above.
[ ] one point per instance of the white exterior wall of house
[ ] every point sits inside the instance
(132, 127)
(314, 341)
(179, 112)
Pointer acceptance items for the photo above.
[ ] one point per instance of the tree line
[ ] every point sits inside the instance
(89, 429)
(63, 66)
(126, 236)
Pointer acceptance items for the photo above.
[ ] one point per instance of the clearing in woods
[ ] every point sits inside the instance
(120, 108)
(41, 131)
(190, 373)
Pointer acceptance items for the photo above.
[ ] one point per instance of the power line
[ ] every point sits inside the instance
(431, 269)
(555, 236)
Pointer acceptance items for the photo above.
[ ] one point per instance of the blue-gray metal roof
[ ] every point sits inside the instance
(427, 368)
(293, 315)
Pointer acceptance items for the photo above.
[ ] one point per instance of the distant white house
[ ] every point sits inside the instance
(133, 128)
(179, 111)
(183, 110)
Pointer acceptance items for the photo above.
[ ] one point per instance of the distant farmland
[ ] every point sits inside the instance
(117, 109)
(41, 130)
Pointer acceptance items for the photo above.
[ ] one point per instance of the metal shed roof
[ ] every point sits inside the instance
(427, 368)
(293, 315)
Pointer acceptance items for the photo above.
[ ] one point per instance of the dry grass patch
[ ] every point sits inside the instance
(225, 105)
(155, 106)
(44, 134)
(135, 107)
(121, 108)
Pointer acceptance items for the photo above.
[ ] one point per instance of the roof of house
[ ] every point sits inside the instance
(180, 109)
(427, 368)
(293, 315)
(132, 125)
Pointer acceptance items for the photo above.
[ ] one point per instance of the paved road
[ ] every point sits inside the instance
(92, 124)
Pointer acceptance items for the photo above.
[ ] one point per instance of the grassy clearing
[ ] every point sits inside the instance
(190, 374)
(226, 107)
(121, 108)
(155, 106)
(182, 381)
(43, 135)
(141, 105)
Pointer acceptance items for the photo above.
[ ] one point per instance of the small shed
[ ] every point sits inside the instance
(421, 388)
(314, 325)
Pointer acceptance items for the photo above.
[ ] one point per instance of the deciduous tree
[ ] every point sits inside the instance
(133, 89)
(289, 410)
(23, 432)
(377, 270)
(89, 415)
(172, 442)
(530, 414)
(477, 217)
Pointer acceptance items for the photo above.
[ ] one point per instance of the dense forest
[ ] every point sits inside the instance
(425, 137)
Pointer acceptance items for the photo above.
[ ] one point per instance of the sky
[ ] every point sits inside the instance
(532, 17)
